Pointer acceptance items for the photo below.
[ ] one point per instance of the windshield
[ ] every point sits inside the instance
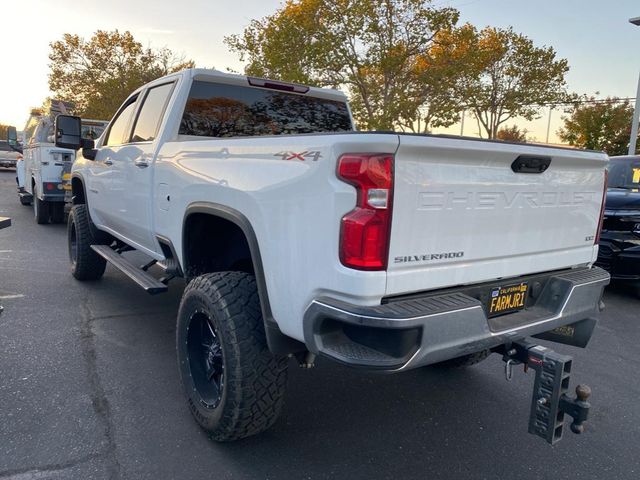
(624, 173)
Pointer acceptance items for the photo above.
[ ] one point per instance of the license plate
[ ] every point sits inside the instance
(507, 299)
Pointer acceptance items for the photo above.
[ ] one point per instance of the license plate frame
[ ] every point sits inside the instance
(509, 298)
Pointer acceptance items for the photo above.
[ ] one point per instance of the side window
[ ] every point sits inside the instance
(120, 124)
(151, 113)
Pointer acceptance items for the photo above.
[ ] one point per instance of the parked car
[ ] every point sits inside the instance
(299, 235)
(619, 251)
(8, 155)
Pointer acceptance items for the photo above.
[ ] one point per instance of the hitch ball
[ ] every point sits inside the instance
(577, 407)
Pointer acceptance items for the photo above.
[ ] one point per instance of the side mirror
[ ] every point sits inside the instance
(12, 136)
(68, 132)
(88, 148)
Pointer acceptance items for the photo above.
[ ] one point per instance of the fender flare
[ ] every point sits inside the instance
(84, 187)
(278, 342)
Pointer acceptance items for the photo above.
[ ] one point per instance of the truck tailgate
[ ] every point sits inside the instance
(462, 215)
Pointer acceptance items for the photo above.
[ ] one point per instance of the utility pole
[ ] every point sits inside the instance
(634, 123)
(549, 123)
(462, 124)
(636, 110)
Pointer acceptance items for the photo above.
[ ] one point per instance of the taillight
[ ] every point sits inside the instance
(365, 230)
(604, 198)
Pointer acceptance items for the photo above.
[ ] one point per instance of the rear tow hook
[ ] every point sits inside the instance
(550, 401)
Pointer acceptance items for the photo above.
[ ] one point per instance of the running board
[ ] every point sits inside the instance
(145, 280)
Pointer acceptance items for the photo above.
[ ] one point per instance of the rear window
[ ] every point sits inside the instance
(624, 173)
(92, 131)
(218, 110)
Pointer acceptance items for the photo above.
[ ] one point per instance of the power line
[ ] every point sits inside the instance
(590, 101)
(594, 101)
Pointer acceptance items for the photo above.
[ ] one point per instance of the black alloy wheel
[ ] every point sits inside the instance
(206, 361)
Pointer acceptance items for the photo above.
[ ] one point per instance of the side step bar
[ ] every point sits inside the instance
(145, 280)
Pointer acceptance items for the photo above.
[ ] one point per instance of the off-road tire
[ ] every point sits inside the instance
(56, 212)
(465, 360)
(40, 208)
(254, 380)
(87, 264)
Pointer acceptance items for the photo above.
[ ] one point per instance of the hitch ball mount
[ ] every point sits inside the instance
(550, 400)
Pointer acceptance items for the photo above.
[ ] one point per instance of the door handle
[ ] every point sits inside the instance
(141, 163)
(108, 162)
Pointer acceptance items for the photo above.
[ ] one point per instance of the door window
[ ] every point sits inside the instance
(151, 113)
(119, 130)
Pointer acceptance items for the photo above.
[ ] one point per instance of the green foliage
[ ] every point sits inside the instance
(404, 63)
(3, 131)
(432, 97)
(600, 126)
(98, 74)
(383, 52)
(513, 79)
(512, 134)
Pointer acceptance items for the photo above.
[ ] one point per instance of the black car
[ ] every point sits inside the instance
(619, 251)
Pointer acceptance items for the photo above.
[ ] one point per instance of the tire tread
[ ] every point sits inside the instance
(89, 265)
(255, 379)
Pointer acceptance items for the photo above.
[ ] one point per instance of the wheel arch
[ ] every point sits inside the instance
(78, 191)
(278, 342)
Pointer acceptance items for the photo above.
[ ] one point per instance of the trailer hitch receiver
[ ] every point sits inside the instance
(550, 400)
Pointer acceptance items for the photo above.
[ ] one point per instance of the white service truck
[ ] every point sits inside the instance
(299, 236)
(41, 170)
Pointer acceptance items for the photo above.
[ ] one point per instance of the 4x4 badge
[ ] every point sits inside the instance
(314, 155)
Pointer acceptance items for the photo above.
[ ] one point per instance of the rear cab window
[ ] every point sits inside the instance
(91, 130)
(221, 110)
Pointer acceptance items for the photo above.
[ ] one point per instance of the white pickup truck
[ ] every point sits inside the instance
(300, 236)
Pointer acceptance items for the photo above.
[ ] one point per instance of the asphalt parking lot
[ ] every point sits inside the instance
(89, 389)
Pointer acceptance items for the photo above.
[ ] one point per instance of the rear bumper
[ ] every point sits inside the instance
(8, 163)
(420, 331)
(619, 254)
(49, 197)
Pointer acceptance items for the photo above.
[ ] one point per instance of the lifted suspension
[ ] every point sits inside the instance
(550, 401)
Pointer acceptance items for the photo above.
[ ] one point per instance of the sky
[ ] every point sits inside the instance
(602, 48)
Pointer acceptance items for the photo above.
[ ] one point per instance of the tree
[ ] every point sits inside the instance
(515, 79)
(512, 134)
(380, 51)
(599, 125)
(97, 75)
(433, 98)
